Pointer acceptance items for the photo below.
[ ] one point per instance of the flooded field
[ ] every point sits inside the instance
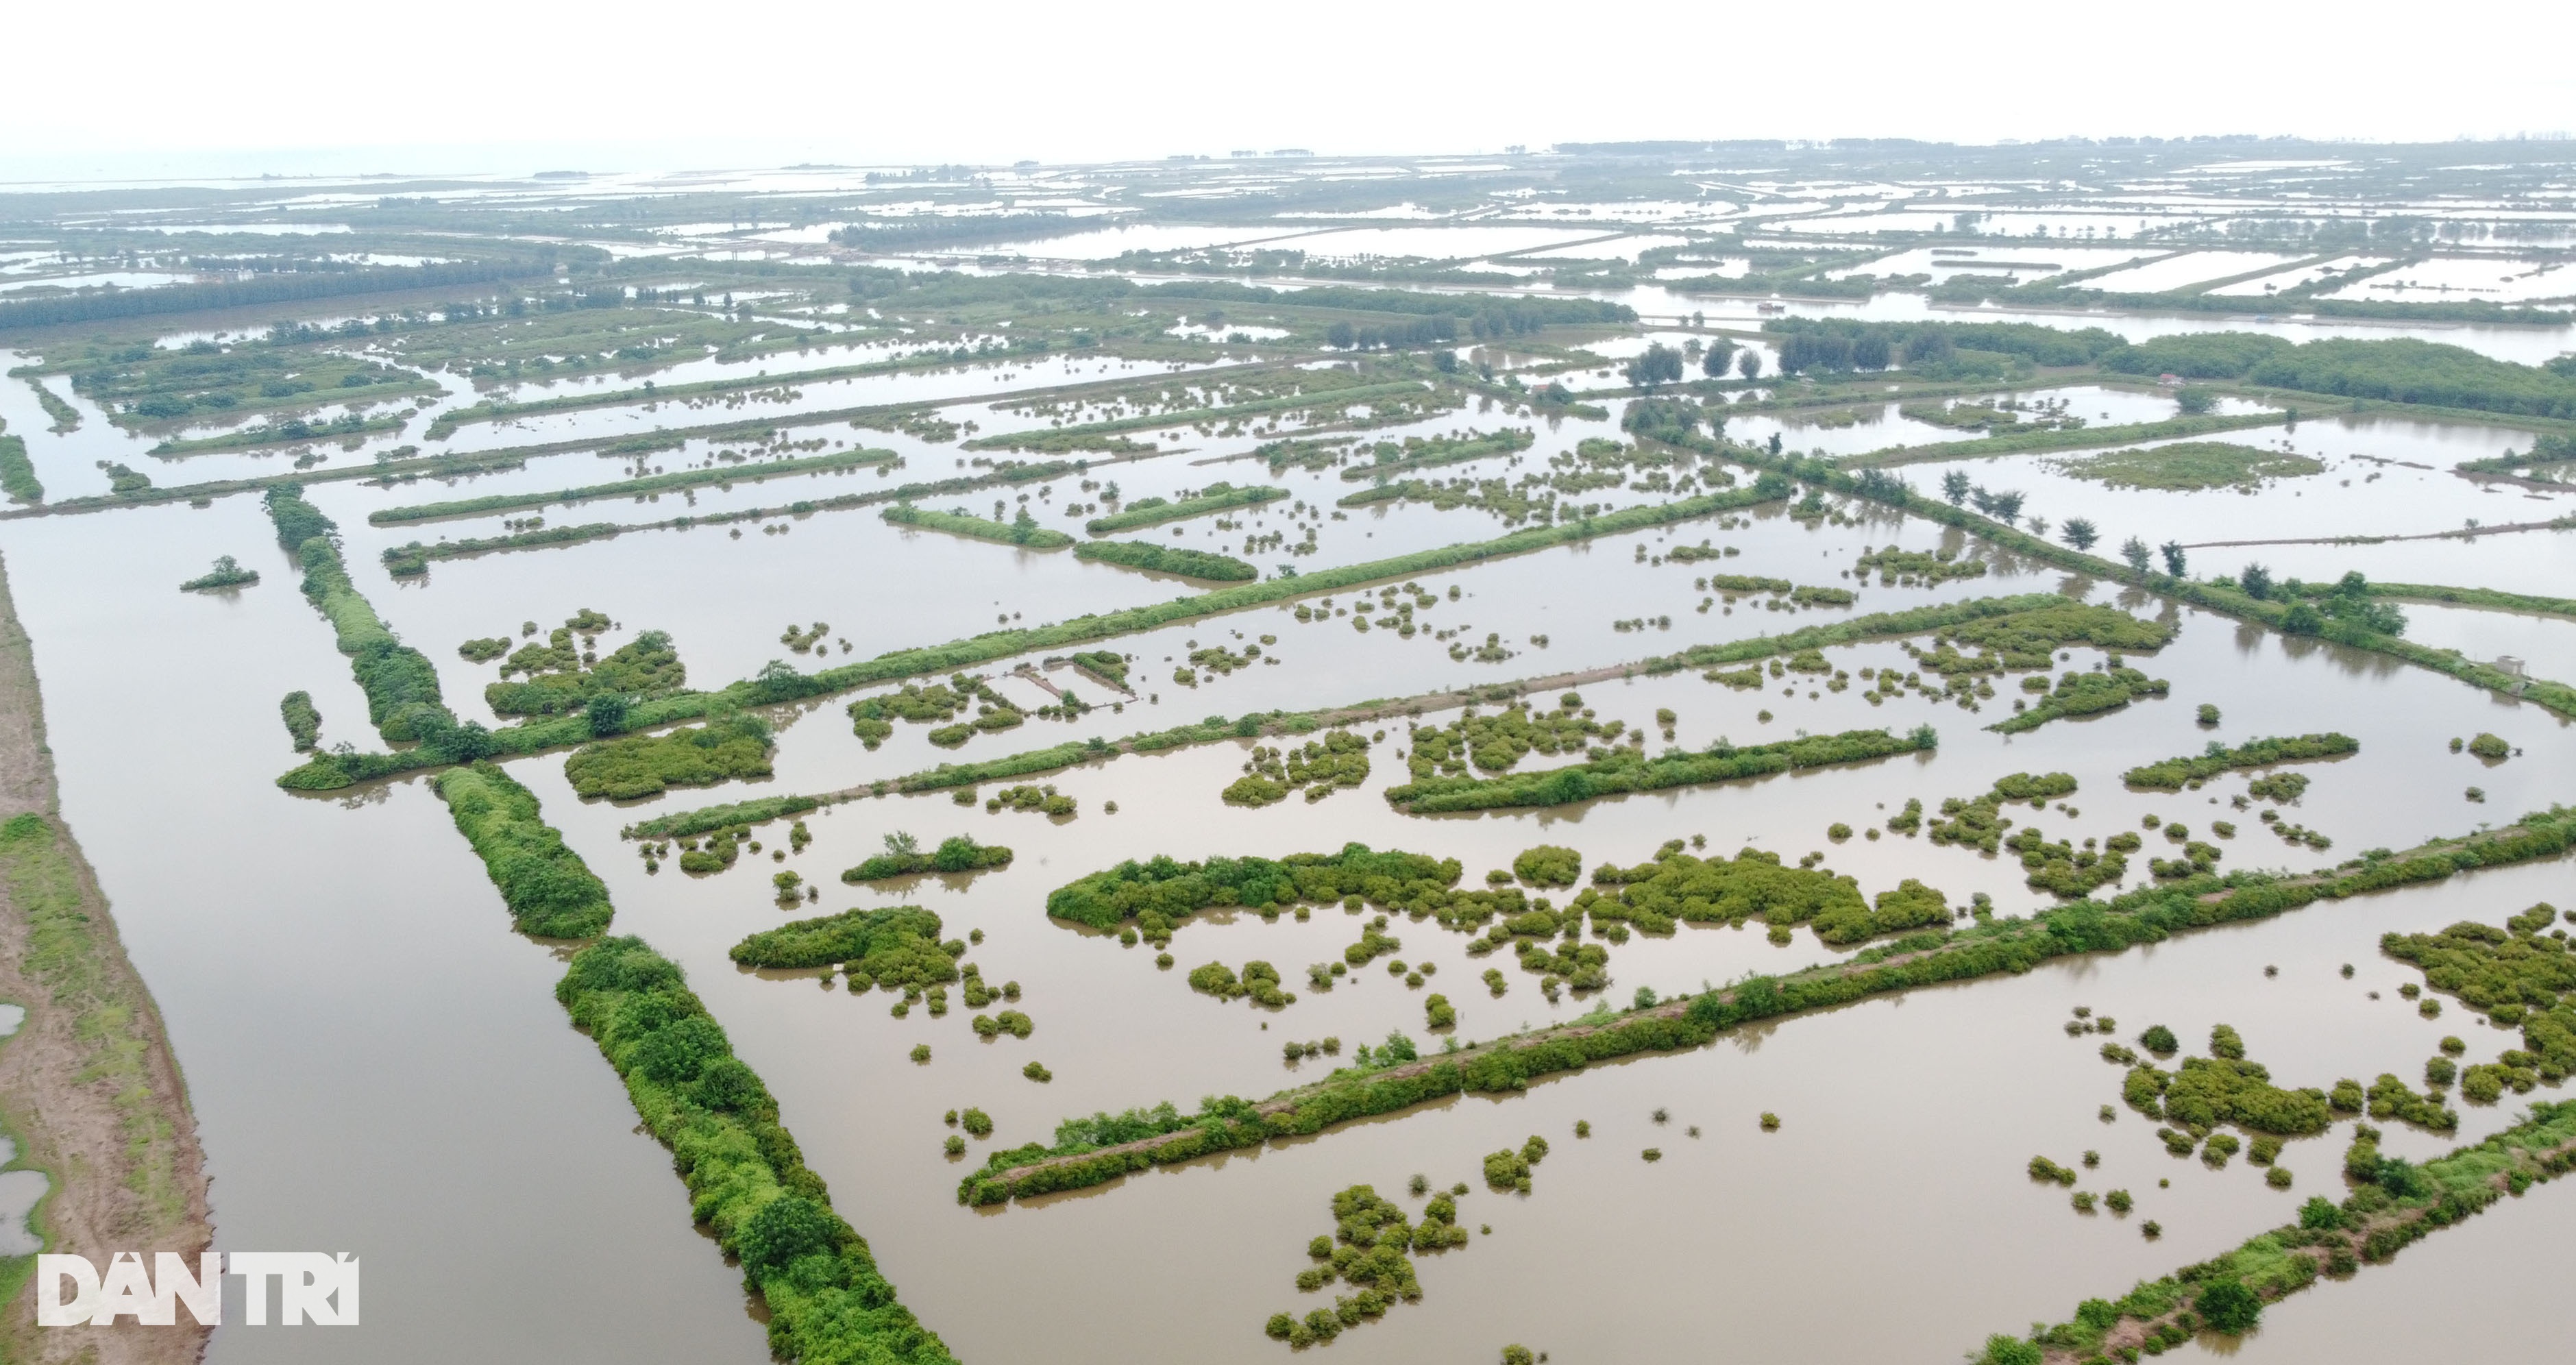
(1272, 566)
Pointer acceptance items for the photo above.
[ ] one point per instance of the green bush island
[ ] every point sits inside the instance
(885, 937)
(903, 858)
(736, 746)
(2173, 773)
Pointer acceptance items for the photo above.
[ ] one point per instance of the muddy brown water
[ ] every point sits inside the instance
(379, 1065)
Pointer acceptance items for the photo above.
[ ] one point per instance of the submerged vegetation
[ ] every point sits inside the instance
(1319, 767)
(2190, 466)
(2521, 974)
(303, 722)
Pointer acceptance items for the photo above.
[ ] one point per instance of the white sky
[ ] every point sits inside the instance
(155, 87)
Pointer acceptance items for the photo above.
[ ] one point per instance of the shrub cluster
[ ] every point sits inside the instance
(2085, 694)
(860, 938)
(735, 746)
(957, 853)
(2517, 974)
(2171, 774)
(1318, 767)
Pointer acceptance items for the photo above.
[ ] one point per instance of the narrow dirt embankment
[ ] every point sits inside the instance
(88, 1085)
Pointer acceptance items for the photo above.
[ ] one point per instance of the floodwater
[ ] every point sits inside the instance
(409, 1090)
(20, 1191)
(2379, 479)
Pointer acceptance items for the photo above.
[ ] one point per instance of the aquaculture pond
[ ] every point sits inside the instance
(1622, 842)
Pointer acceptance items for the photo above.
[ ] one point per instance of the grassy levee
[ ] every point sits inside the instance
(1170, 559)
(1060, 437)
(498, 410)
(551, 892)
(1626, 770)
(1432, 453)
(397, 679)
(1934, 957)
(1128, 519)
(747, 1179)
(2079, 438)
(2487, 599)
(90, 1091)
(17, 472)
(328, 772)
(1055, 758)
(654, 483)
(256, 437)
(415, 556)
(1030, 537)
(2369, 1227)
(1870, 483)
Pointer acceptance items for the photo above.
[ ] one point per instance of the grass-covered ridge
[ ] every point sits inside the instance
(1023, 532)
(623, 488)
(748, 1183)
(17, 472)
(401, 684)
(1171, 559)
(551, 892)
(2395, 1203)
(1217, 497)
(1623, 769)
(1090, 434)
(1388, 458)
